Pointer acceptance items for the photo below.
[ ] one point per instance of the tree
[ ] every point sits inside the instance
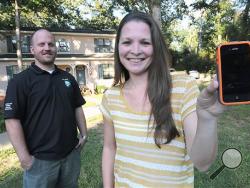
(243, 20)
(102, 15)
(41, 13)
(156, 11)
(18, 37)
(216, 16)
(165, 12)
(88, 14)
(246, 21)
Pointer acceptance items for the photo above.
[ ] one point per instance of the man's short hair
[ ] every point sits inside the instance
(33, 34)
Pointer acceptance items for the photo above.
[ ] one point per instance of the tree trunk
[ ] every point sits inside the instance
(156, 11)
(18, 37)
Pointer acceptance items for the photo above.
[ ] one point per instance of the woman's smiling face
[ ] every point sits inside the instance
(135, 47)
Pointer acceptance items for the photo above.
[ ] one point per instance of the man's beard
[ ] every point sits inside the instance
(45, 61)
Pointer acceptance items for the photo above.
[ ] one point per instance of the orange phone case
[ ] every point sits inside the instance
(219, 72)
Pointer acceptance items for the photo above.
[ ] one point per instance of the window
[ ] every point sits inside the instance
(106, 71)
(13, 69)
(62, 45)
(26, 44)
(103, 45)
(12, 44)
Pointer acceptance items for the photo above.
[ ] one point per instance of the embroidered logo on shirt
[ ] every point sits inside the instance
(8, 106)
(67, 82)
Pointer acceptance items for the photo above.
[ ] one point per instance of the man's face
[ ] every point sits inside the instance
(43, 47)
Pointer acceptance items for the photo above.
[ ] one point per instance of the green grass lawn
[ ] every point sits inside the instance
(90, 177)
(92, 100)
(234, 130)
(91, 159)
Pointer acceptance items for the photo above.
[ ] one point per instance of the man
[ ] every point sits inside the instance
(42, 113)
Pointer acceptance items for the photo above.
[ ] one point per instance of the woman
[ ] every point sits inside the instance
(155, 129)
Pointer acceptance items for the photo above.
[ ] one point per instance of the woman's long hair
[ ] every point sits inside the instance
(159, 79)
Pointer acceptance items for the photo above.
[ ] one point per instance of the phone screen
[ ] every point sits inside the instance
(235, 68)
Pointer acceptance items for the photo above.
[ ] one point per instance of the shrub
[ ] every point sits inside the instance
(192, 61)
(100, 89)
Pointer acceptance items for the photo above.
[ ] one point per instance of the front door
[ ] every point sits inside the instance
(80, 75)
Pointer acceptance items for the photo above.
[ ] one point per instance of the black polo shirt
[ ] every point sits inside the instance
(45, 104)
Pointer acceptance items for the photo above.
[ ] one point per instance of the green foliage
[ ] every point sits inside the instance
(171, 10)
(132, 5)
(221, 21)
(239, 30)
(192, 61)
(102, 15)
(44, 13)
(100, 89)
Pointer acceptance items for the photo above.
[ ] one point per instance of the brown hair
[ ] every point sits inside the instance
(159, 79)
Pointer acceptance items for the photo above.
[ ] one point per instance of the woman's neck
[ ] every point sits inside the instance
(135, 93)
(137, 83)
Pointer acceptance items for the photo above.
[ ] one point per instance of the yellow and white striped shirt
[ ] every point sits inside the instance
(138, 161)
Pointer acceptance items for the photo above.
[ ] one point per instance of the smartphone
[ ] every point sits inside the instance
(233, 71)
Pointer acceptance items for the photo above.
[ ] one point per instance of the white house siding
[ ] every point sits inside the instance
(3, 78)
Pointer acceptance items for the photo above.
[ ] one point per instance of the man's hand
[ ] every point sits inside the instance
(27, 162)
(16, 136)
(82, 141)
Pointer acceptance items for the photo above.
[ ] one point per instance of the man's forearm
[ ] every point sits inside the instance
(81, 122)
(16, 136)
